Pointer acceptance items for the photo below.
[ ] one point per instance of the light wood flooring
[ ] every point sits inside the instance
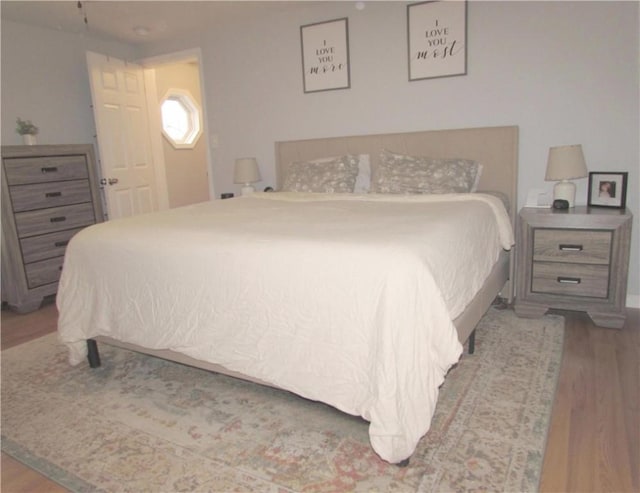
(594, 438)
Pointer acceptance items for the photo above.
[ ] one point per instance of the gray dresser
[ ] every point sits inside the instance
(49, 193)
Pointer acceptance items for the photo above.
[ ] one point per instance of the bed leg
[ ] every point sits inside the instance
(403, 463)
(472, 342)
(93, 355)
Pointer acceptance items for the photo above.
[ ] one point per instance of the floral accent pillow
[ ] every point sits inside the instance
(398, 173)
(332, 175)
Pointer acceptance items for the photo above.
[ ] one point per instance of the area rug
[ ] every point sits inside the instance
(144, 424)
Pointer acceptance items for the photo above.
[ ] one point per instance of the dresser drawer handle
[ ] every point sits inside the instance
(571, 248)
(49, 169)
(53, 194)
(58, 219)
(61, 243)
(569, 280)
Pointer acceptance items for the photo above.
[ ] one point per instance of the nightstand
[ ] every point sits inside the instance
(575, 259)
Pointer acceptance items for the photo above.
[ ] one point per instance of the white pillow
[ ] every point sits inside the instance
(363, 180)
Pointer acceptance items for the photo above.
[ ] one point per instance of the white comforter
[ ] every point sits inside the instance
(343, 299)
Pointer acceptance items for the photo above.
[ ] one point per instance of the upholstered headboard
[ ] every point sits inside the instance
(495, 147)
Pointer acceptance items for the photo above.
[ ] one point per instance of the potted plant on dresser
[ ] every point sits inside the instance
(28, 131)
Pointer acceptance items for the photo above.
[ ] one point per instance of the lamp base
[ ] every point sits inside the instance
(565, 190)
(247, 190)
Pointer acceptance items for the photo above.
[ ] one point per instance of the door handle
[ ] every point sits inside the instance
(110, 181)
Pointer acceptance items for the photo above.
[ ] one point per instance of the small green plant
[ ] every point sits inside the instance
(25, 127)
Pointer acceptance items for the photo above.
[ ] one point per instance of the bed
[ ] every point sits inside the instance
(350, 299)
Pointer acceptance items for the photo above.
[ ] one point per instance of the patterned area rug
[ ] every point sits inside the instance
(143, 424)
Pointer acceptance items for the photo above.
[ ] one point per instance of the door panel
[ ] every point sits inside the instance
(123, 203)
(145, 196)
(124, 142)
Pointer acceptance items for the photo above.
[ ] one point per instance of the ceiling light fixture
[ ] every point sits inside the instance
(141, 31)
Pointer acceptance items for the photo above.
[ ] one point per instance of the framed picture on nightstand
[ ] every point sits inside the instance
(608, 189)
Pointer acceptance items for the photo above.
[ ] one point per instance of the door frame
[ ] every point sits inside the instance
(148, 65)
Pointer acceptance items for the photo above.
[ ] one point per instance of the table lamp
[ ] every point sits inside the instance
(565, 163)
(246, 172)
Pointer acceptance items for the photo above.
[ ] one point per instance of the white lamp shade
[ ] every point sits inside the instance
(566, 163)
(246, 171)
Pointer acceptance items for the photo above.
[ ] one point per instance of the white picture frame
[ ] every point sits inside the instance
(325, 55)
(437, 39)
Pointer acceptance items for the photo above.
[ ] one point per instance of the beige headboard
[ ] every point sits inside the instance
(495, 147)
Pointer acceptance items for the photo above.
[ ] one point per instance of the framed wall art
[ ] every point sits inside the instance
(608, 189)
(437, 39)
(325, 55)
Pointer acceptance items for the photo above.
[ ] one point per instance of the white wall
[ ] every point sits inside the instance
(45, 80)
(564, 72)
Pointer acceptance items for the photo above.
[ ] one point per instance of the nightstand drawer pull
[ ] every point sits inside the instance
(49, 169)
(569, 280)
(61, 243)
(58, 219)
(50, 195)
(570, 248)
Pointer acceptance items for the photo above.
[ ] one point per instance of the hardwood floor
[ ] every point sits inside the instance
(594, 436)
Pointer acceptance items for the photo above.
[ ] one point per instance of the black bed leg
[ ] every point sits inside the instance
(93, 356)
(472, 342)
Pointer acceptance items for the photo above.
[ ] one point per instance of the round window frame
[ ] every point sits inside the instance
(194, 113)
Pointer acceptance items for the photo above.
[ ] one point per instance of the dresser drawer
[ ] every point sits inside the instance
(54, 194)
(570, 279)
(43, 247)
(579, 246)
(55, 219)
(25, 170)
(45, 272)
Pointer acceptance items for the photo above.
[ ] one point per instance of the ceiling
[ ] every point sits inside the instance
(134, 22)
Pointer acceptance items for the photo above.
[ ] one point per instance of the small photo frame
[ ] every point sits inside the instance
(608, 189)
(325, 55)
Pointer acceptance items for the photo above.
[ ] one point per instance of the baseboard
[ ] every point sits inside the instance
(633, 301)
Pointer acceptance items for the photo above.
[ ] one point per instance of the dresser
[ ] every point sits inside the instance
(49, 193)
(575, 259)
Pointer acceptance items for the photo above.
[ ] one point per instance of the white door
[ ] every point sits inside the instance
(124, 143)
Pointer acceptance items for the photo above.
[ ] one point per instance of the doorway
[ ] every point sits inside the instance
(175, 78)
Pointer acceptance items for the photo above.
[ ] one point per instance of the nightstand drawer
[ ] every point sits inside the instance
(45, 272)
(53, 194)
(25, 170)
(565, 245)
(55, 219)
(570, 279)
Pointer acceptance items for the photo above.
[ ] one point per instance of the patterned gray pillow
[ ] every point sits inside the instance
(398, 173)
(335, 175)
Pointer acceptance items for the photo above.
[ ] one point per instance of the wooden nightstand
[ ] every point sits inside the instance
(575, 259)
